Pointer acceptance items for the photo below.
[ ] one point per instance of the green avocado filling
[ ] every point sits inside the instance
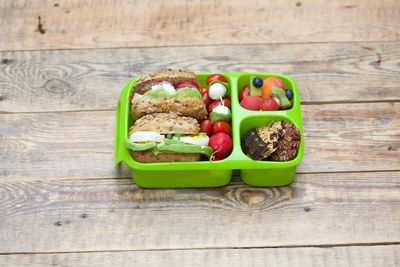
(169, 145)
(186, 92)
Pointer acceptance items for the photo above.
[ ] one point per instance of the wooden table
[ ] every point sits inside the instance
(62, 201)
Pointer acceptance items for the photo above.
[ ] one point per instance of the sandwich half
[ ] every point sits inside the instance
(168, 91)
(167, 137)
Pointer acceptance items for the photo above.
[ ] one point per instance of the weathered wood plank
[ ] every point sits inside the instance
(114, 214)
(352, 256)
(100, 24)
(338, 137)
(92, 79)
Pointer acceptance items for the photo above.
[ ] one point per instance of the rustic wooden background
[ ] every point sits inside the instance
(62, 201)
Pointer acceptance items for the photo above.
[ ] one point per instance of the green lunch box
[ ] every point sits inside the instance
(215, 173)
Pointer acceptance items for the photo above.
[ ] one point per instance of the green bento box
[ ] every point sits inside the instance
(215, 173)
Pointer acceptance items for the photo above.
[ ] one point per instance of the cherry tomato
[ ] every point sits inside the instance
(244, 92)
(222, 126)
(218, 77)
(206, 99)
(225, 101)
(203, 90)
(206, 127)
(186, 84)
(251, 102)
(221, 144)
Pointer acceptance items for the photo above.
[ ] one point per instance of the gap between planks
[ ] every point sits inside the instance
(233, 182)
(196, 45)
(209, 248)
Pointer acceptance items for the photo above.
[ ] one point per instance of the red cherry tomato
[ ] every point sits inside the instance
(251, 102)
(203, 90)
(244, 92)
(206, 127)
(206, 99)
(225, 101)
(186, 84)
(221, 144)
(218, 77)
(222, 127)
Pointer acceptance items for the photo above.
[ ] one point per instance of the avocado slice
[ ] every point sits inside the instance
(139, 146)
(187, 92)
(170, 145)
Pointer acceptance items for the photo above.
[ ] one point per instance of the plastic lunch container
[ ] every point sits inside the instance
(215, 173)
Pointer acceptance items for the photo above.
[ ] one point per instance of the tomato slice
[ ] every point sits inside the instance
(186, 84)
(142, 92)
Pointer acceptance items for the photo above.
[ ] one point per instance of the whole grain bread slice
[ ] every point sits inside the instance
(165, 123)
(191, 107)
(174, 76)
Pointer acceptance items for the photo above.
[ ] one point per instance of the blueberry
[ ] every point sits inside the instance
(257, 82)
(289, 94)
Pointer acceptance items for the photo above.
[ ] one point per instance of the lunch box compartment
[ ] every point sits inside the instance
(244, 79)
(214, 173)
(267, 172)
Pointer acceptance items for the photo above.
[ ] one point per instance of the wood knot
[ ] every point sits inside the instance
(6, 61)
(84, 215)
(253, 197)
(307, 209)
(57, 86)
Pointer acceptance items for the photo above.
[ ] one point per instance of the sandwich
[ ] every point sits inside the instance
(167, 137)
(168, 91)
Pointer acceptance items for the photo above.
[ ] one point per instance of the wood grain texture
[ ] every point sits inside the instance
(92, 79)
(69, 145)
(114, 214)
(366, 256)
(100, 24)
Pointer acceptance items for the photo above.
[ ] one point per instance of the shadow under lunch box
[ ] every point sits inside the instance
(215, 173)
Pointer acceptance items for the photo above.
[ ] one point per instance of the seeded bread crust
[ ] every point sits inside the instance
(191, 107)
(165, 123)
(170, 75)
(148, 156)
